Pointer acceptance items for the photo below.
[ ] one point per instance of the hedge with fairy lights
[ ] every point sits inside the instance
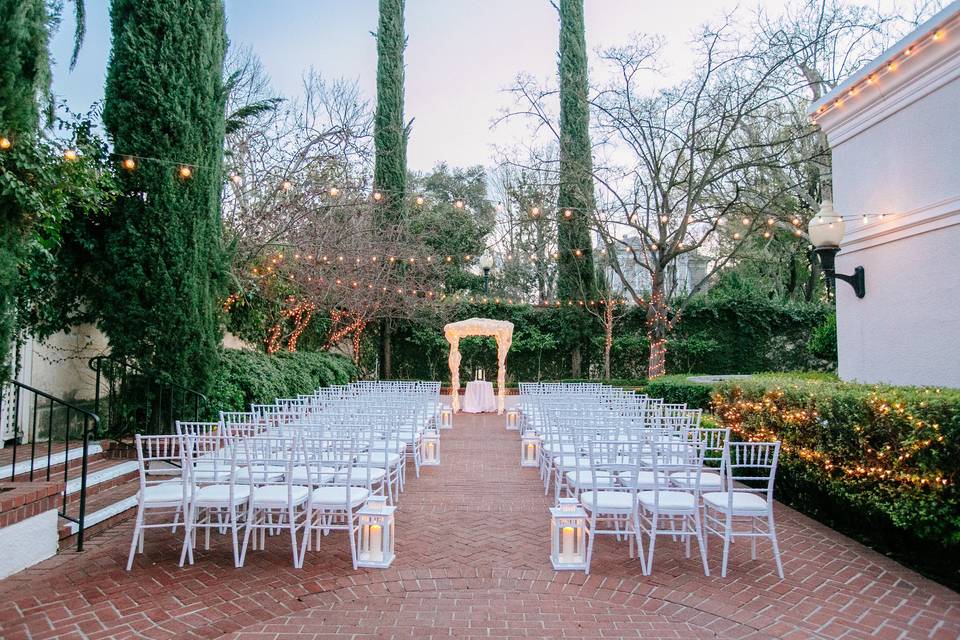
(882, 462)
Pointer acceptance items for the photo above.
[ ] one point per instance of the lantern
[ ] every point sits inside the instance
(530, 450)
(430, 448)
(568, 536)
(446, 418)
(513, 419)
(376, 524)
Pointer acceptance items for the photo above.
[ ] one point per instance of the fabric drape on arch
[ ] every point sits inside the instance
(499, 329)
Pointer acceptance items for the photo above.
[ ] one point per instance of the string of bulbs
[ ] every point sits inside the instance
(186, 171)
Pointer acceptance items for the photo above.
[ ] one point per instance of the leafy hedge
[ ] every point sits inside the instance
(245, 377)
(878, 463)
(716, 334)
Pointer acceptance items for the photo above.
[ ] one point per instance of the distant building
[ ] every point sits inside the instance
(894, 130)
(683, 274)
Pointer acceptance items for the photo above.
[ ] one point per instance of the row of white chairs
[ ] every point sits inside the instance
(644, 468)
(304, 466)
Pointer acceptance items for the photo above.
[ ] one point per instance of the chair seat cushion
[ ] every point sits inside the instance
(317, 475)
(276, 495)
(261, 473)
(647, 479)
(668, 500)
(572, 462)
(337, 496)
(217, 494)
(358, 475)
(381, 458)
(586, 479)
(605, 501)
(169, 492)
(708, 479)
(743, 501)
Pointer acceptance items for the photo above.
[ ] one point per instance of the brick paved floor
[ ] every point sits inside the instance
(473, 562)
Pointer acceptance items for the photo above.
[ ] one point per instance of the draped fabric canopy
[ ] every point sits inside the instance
(499, 329)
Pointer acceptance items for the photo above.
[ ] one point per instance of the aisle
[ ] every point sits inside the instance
(479, 508)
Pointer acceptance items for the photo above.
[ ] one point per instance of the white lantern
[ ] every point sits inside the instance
(513, 419)
(376, 524)
(827, 227)
(530, 450)
(446, 418)
(430, 448)
(568, 536)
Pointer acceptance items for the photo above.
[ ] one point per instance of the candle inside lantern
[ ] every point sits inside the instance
(530, 448)
(376, 542)
(567, 548)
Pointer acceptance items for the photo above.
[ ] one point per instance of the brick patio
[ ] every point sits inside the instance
(473, 562)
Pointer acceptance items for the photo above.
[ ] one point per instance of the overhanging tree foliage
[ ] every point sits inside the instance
(575, 204)
(390, 133)
(24, 77)
(162, 245)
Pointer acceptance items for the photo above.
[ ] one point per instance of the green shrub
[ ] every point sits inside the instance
(879, 463)
(246, 377)
(823, 340)
(680, 389)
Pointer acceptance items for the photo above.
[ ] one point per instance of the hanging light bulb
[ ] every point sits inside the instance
(736, 236)
(420, 201)
(458, 204)
(70, 155)
(334, 192)
(377, 196)
(5, 143)
(578, 253)
(567, 214)
(286, 185)
(535, 212)
(664, 219)
(770, 222)
(128, 163)
(746, 222)
(185, 172)
(766, 234)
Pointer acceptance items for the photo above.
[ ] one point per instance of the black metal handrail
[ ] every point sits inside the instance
(140, 400)
(91, 426)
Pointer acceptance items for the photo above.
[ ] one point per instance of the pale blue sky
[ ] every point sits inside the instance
(461, 54)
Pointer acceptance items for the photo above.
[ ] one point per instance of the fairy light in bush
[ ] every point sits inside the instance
(129, 163)
(70, 155)
(185, 172)
(749, 419)
(5, 143)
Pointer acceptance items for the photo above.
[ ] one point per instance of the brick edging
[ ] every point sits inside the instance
(22, 500)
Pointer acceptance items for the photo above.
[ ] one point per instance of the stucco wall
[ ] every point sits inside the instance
(902, 159)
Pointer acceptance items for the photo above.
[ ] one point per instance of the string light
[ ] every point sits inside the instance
(70, 155)
(5, 143)
(746, 222)
(334, 192)
(458, 204)
(377, 196)
(420, 201)
(129, 163)
(535, 212)
(286, 185)
(567, 214)
(185, 172)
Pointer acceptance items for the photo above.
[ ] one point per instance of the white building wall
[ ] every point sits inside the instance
(896, 151)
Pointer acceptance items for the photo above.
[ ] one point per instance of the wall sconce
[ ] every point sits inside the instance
(826, 232)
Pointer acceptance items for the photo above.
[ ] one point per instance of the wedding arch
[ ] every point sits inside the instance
(499, 329)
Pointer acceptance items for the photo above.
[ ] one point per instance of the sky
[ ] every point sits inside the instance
(461, 56)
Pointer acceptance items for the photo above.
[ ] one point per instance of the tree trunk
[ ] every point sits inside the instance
(386, 352)
(658, 326)
(576, 361)
(607, 338)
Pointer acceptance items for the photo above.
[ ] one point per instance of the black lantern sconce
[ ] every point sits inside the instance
(826, 232)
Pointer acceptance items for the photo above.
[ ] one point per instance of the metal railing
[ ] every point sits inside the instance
(53, 415)
(134, 399)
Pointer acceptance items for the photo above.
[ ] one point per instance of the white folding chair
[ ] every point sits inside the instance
(754, 465)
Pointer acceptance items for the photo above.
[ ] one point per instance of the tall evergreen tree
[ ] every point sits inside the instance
(165, 100)
(24, 81)
(575, 202)
(390, 135)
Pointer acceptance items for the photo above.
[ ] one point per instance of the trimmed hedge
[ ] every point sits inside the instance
(878, 463)
(246, 377)
(678, 389)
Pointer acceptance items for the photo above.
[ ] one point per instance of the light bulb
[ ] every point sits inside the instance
(185, 172)
(129, 163)
(664, 219)
(567, 214)
(286, 185)
(578, 253)
(458, 204)
(746, 222)
(419, 200)
(377, 196)
(5, 143)
(736, 236)
(70, 155)
(334, 192)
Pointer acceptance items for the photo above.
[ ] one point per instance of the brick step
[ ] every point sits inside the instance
(20, 471)
(102, 475)
(105, 509)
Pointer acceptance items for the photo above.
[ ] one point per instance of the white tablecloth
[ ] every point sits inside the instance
(479, 398)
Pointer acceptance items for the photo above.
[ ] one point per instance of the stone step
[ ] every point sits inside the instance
(22, 468)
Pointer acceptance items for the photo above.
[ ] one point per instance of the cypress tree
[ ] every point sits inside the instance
(24, 80)
(390, 135)
(164, 263)
(575, 274)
